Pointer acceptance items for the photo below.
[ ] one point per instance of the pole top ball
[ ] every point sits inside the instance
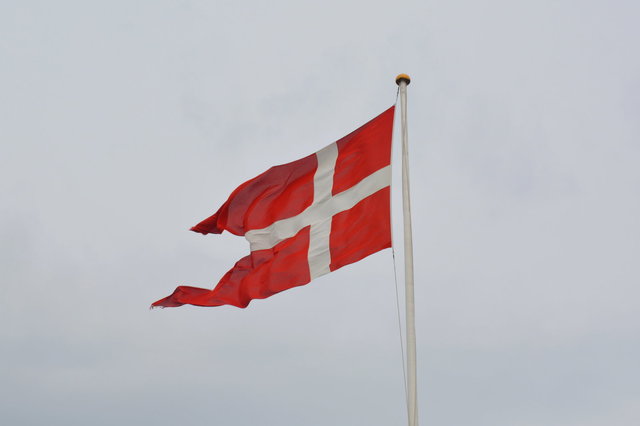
(403, 77)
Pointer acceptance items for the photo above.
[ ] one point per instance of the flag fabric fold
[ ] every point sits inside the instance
(304, 219)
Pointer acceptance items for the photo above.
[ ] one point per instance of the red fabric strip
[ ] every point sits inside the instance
(364, 151)
(361, 231)
(257, 276)
(279, 193)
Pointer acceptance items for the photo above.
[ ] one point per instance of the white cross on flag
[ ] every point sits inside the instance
(304, 219)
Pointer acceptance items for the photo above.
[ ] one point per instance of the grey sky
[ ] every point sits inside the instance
(122, 124)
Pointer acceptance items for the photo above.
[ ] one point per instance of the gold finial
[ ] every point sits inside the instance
(403, 77)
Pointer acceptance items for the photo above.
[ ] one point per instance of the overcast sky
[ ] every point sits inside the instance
(124, 123)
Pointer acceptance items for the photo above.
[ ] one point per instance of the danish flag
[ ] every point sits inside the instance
(304, 219)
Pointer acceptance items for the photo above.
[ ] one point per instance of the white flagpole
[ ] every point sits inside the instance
(403, 81)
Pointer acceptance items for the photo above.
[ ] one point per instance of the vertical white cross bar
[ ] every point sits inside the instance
(319, 255)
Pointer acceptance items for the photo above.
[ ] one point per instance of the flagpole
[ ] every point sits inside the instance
(403, 81)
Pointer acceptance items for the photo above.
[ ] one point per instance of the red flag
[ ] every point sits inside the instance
(304, 219)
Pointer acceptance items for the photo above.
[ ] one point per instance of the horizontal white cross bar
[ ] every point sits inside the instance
(319, 211)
